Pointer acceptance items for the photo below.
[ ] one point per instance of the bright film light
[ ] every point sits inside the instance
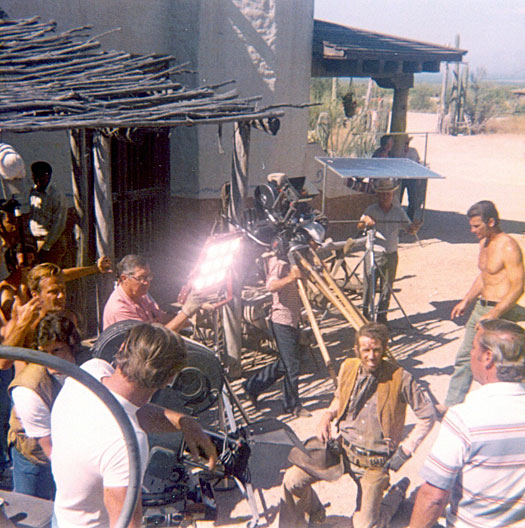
(216, 261)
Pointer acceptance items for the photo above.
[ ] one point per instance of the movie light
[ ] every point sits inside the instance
(212, 275)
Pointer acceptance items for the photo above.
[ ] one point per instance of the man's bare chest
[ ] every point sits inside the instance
(490, 261)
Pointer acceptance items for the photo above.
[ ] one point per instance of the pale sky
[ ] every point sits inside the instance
(493, 31)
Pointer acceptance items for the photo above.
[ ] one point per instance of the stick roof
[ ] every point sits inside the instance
(57, 81)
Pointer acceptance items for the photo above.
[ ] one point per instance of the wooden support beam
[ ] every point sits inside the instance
(239, 178)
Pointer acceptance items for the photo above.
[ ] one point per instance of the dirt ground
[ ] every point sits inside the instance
(432, 276)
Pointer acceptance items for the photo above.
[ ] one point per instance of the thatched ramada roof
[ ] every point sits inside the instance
(56, 81)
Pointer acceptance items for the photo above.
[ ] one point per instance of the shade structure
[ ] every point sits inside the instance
(378, 168)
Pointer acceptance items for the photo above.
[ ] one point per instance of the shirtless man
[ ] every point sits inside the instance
(495, 290)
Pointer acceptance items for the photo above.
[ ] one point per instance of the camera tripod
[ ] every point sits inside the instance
(373, 270)
(319, 278)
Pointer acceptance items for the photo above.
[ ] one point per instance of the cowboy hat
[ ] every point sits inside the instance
(385, 185)
(321, 460)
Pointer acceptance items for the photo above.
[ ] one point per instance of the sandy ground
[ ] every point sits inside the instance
(432, 277)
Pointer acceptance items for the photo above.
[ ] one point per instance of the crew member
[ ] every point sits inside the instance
(386, 144)
(478, 460)
(131, 299)
(389, 219)
(495, 291)
(369, 408)
(48, 210)
(33, 392)
(90, 462)
(281, 280)
(416, 187)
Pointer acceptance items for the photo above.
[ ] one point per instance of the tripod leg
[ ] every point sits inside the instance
(351, 314)
(236, 400)
(391, 290)
(338, 292)
(317, 332)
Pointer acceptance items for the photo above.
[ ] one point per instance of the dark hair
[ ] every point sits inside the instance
(57, 327)
(151, 355)
(506, 341)
(486, 209)
(384, 140)
(375, 331)
(41, 168)
(128, 264)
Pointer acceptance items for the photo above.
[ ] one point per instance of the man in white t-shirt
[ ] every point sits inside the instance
(90, 462)
(389, 219)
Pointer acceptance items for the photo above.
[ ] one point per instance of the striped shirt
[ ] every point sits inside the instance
(479, 456)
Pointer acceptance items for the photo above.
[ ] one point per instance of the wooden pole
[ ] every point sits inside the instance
(103, 199)
(317, 332)
(80, 183)
(239, 177)
(104, 224)
(443, 107)
(358, 318)
(349, 312)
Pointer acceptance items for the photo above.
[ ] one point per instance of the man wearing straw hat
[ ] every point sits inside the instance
(388, 218)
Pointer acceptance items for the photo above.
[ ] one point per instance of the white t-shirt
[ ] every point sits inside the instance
(89, 451)
(32, 412)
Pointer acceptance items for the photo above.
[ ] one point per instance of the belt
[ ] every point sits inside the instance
(484, 302)
(373, 458)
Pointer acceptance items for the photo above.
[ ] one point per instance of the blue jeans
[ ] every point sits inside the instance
(386, 278)
(287, 366)
(461, 379)
(6, 377)
(32, 479)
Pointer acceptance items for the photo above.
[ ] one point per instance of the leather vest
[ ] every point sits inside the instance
(36, 378)
(391, 408)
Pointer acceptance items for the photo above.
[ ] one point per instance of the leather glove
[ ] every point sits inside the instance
(397, 459)
(192, 304)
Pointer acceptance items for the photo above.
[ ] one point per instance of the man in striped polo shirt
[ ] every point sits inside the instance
(478, 460)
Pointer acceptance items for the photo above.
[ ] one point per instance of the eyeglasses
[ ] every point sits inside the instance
(142, 279)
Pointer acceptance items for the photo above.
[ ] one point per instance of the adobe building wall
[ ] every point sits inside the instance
(265, 46)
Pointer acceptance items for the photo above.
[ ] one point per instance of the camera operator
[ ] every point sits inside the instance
(281, 280)
(90, 462)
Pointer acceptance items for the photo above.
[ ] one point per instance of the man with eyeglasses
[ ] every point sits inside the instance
(131, 299)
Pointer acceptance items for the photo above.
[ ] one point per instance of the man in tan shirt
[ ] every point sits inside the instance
(368, 408)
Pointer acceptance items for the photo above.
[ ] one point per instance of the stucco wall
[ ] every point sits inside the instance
(266, 48)
(264, 45)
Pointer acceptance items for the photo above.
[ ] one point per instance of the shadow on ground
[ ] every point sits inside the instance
(453, 228)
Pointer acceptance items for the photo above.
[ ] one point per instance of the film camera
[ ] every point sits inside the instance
(173, 491)
(283, 218)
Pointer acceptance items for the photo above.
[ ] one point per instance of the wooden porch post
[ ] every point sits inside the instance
(80, 292)
(103, 198)
(239, 177)
(232, 312)
(81, 182)
(401, 84)
(103, 206)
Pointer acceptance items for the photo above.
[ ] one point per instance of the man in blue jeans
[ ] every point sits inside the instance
(495, 291)
(281, 280)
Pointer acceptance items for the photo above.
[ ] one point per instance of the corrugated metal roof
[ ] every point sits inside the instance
(393, 54)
